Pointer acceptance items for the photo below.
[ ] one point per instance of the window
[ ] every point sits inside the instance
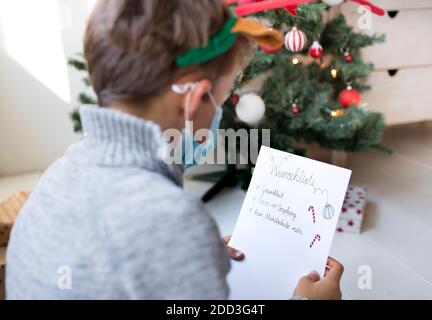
(91, 4)
(32, 32)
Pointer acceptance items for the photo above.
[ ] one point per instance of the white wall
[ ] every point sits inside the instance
(35, 128)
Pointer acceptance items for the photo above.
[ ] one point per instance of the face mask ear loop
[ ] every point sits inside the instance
(186, 109)
(213, 100)
(184, 90)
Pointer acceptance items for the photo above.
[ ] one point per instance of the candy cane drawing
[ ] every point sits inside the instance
(312, 209)
(317, 237)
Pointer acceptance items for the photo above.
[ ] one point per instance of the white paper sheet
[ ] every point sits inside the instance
(286, 225)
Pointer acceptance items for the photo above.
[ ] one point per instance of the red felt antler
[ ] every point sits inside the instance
(246, 7)
(292, 10)
(254, 6)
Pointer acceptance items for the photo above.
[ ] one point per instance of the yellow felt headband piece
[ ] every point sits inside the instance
(264, 36)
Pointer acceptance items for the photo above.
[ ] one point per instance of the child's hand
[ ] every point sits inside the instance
(234, 253)
(313, 288)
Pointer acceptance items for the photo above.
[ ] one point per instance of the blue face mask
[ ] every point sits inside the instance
(194, 152)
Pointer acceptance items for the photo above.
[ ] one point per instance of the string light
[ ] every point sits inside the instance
(295, 61)
(337, 113)
(334, 73)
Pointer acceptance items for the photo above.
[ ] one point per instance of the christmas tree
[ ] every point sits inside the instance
(314, 99)
(311, 90)
(312, 87)
(78, 63)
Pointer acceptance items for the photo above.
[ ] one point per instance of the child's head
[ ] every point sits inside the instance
(131, 45)
(131, 48)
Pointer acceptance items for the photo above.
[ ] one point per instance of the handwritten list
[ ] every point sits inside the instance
(270, 206)
(286, 224)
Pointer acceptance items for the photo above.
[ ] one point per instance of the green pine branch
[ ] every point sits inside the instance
(77, 62)
(312, 87)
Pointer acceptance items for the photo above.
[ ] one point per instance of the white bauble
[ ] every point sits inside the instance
(250, 109)
(332, 2)
(295, 40)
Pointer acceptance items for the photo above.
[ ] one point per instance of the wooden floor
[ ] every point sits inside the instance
(397, 237)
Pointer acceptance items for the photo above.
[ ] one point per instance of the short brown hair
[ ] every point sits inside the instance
(131, 45)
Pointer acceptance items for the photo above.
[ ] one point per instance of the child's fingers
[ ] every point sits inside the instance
(226, 239)
(235, 254)
(313, 276)
(309, 279)
(335, 269)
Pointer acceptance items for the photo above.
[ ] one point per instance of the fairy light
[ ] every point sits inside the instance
(295, 61)
(337, 113)
(334, 73)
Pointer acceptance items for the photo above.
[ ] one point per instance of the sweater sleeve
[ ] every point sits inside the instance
(173, 251)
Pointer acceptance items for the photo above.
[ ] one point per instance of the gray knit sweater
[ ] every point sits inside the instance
(110, 220)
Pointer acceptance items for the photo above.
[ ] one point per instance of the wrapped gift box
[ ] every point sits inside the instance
(353, 210)
(9, 210)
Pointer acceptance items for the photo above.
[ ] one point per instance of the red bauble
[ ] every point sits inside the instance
(270, 50)
(316, 50)
(348, 57)
(235, 99)
(295, 109)
(349, 97)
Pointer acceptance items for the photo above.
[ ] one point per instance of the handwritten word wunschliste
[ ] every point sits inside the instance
(298, 176)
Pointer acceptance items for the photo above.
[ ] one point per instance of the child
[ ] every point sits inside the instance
(109, 220)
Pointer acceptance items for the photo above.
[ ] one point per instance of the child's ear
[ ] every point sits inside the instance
(197, 95)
